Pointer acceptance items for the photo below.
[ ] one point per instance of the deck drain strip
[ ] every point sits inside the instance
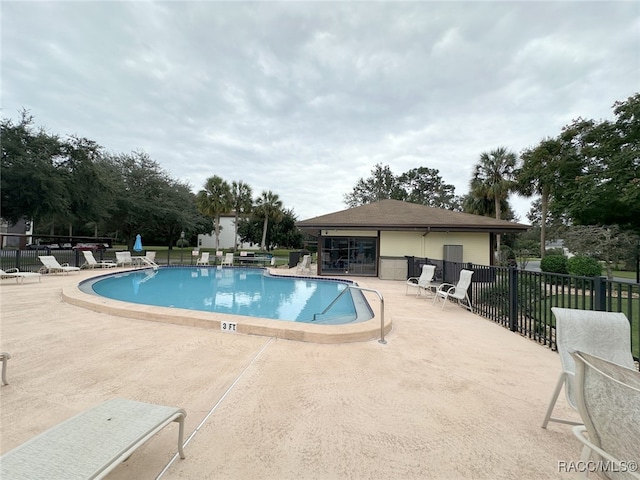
(204, 420)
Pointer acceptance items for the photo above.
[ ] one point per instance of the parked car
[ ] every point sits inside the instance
(43, 246)
(90, 246)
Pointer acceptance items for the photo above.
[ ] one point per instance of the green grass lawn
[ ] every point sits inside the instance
(624, 274)
(622, 304)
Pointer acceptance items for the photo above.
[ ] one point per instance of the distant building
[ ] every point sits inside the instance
(553, 244)
(227, 230)
(17, 235)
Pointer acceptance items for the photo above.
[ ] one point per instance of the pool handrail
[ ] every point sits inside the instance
(382, 340)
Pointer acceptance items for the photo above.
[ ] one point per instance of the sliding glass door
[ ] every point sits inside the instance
(349, 256)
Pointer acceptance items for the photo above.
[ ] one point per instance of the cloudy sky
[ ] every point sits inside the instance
(304, 98)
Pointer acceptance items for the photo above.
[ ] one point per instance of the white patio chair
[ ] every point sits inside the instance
(123, 259)
(204, 259)
(228, 259)
(18, 275)
(51, 265)
(608, 399)
(423, 282)
(457, 292)
(604, 334)
(151, 256)
(305, 264)
(91, 262)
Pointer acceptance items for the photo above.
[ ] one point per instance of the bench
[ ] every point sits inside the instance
(91, 444)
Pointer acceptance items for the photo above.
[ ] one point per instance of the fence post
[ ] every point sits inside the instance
(600, 294)
(513, 299)
(470, 290)
(18, 256)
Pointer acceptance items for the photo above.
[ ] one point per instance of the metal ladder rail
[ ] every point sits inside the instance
(382, 340)
(151, 263)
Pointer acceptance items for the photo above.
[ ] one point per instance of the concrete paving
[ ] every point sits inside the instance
(450, 396)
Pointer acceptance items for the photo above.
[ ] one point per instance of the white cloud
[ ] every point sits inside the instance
(305, 98)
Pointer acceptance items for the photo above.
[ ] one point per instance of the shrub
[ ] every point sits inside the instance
(554, 264)
(584, 266)
(554, 251)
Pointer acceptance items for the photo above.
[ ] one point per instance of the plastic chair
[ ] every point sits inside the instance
(228, 259)
(604, 334)
(124, 258)
(457, 292)
(608, 399)
(423, 282)
(204, 259)
(305, 264)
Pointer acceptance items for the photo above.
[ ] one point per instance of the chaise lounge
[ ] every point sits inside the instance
(18, 275)
(91, 262)
(91, 444)
(51, 265)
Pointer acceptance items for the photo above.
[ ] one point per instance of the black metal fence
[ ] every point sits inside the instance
(521, 300)
(27, 260)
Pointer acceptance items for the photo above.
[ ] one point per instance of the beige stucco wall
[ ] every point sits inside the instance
(475, 246)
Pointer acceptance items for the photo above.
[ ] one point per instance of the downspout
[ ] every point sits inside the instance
(424, 242)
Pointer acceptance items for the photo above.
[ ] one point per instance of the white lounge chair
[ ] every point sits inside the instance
(124, 259)
(204, 259)
(305, 264)
(91, 444)
(51, 265)
(228, 259)
(608, 399)
(604, 334)
(18, 275)
(456, 292)
(4, 358)
(91, 262)
(151, 256)
(423, 282)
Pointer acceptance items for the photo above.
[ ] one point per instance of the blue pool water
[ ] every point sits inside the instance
(238, 291)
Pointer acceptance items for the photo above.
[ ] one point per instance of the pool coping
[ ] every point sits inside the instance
(304, 332)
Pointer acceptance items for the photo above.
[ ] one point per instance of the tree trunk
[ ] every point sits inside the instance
(498, 215)
(544, 206)
(264, 233)
(216, 229)
(235, 233)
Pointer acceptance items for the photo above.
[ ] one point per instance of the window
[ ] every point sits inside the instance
(349, 256)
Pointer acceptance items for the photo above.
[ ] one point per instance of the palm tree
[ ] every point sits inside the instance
(537, 175)
(242, 203)
(268, 206)
(493, 178)
(214, 200)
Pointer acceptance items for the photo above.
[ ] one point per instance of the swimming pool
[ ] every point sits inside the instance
(251, 292)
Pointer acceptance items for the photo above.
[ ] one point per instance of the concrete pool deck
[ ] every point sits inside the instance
(450, 396)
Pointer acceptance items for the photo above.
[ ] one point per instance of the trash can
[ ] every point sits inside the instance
(294, 258)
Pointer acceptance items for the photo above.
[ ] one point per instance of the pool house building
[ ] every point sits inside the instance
(380, 238)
